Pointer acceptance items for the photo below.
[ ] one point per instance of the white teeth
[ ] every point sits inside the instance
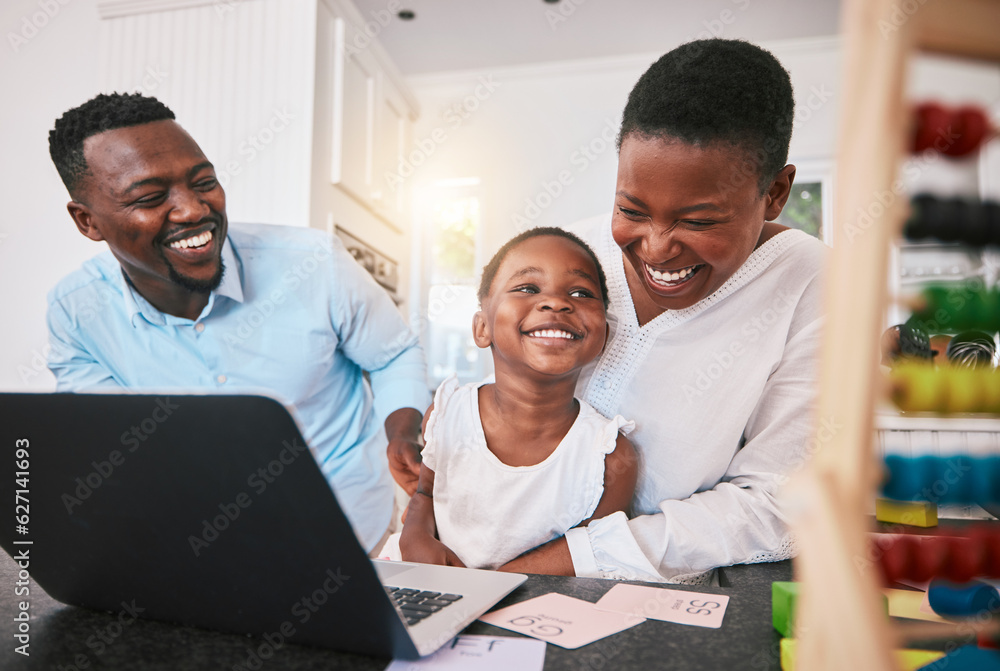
(665, 277)
(551, 333)
(196, 241)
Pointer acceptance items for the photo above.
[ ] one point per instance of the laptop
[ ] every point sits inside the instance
(210, 511)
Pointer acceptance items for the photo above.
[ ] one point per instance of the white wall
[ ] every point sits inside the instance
(57, 68)
(239, 77)
(541, 138)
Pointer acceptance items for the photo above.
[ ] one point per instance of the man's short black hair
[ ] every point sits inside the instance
(717, 91)
(491, 268)
(101, 113)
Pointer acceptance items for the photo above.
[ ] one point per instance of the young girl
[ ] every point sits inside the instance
(513, 464)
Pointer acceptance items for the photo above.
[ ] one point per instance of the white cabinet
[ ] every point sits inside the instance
(392, 132)
(296, 103)
(371, 119)
(354, 112)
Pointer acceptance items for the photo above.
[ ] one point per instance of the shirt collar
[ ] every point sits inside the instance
(231, 287)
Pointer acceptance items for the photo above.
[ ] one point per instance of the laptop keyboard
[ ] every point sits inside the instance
(416, 605)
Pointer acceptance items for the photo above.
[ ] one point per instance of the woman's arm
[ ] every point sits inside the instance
(739, 520)
(621, 470)
(552, 558)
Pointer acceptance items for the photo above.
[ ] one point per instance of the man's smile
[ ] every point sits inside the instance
(194, 241)
(196, 237)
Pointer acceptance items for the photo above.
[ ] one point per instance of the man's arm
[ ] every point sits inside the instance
(75, 368)
(373, 334)
(403, 430)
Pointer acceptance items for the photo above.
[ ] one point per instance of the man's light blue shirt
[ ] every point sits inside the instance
(295, 318)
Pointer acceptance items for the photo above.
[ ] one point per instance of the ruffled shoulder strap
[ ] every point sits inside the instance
(442, 398)
(607, 429)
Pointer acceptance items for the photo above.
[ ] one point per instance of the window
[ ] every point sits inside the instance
(810, 204)
(449, 264)
(804, 209)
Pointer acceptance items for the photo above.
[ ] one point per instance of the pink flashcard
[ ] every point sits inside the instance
(560, 619)
(669, 605)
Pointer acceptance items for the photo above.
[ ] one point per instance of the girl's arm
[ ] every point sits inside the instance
(621, 470)
(419, 542)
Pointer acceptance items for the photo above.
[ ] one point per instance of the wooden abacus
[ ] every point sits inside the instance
(840, 619)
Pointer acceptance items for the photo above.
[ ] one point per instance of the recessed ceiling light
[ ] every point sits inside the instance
(407, 14)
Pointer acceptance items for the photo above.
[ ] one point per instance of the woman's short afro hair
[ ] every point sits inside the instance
(491, 268)
(717, 91)
(101, 113)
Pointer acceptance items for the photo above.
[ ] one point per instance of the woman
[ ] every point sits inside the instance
(714, 317)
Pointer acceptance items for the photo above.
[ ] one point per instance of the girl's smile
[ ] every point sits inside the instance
(545, 312)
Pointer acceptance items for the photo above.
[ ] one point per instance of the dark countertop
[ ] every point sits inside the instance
(65, 638)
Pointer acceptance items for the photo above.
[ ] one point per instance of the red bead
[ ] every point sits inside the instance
(895, 558)
(931, 122)
(964, 559)
(971, 125)
(929, 558)
(953, 132)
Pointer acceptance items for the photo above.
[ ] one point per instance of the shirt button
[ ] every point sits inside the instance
(199, 327)
(221, 379)
(607, 384)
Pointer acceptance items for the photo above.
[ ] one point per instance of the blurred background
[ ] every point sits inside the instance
(423, 132)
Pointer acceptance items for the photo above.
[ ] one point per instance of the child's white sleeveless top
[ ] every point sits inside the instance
(488, 512)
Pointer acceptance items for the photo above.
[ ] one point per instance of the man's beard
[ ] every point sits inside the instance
(195, 285)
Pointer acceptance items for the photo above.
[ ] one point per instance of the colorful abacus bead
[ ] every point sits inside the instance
(962, 599)
(952, 479)
(953, 220)
(916, 387)
(941, 555)
(952, 132)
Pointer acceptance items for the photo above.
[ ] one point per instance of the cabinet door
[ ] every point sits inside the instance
(354, 109)
(389, 183)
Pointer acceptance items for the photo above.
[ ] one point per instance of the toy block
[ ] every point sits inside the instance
(783, 597)
(911, 513)
(966, 658)
(787, 647)
(906, 660)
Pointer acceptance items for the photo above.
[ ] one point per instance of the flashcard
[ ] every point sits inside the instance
(561, 620)
(479, 653)
(669, 605)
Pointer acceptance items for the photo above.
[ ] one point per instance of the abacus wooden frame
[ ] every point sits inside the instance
(840, 622)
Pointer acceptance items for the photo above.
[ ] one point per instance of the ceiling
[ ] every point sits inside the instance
(477, 34)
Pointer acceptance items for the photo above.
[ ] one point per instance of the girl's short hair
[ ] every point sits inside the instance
(491, 268)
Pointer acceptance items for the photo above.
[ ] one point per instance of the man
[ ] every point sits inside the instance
(183, 301)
